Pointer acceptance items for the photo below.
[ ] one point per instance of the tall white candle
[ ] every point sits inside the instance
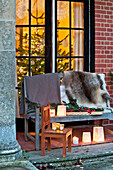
(75, 140)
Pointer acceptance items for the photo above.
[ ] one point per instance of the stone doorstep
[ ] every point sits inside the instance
(20, 163)
(86, 152)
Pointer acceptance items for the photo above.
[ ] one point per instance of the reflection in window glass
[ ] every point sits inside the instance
(62, 65)
(22, 41)
(22, 12)
(77, 64)
(37, 41)
(38, 12)
(63, 43)
(62, 14)
(77, 42)
(22, 69)
(37, 66)
(77, 14)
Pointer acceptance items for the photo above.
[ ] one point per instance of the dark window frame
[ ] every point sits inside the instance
(88, 46)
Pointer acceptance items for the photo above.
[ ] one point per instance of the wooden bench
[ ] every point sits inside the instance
(71, 118)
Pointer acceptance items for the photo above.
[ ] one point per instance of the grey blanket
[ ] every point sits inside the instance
(41, 89)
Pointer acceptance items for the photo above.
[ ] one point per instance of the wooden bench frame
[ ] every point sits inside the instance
(37, 119)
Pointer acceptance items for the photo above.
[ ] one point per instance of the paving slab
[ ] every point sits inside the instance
(84, 152)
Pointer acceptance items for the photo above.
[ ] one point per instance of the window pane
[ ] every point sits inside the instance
(22, 69)
(37, 66)
(37, 41)
(77, 64)
(77, 14)
(62, 14)
(63, 43)
(38, 12)
(22, 41)
(62, 65)
(22, 12)
(77, 42)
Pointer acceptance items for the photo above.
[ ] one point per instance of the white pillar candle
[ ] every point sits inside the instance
(75, 140)
(86, 137)
(98, 134)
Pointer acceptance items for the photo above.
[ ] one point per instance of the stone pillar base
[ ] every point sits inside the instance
(10, 152)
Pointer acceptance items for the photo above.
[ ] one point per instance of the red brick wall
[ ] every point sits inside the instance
(104, 40)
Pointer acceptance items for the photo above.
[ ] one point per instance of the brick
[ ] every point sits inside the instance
(109, 38)
(97, 24)
(101, 29)
(109, 4)
(101, 38)
(106, 25)
(100, 11)
(111, 8)
(110, 47)
(109, 12)
(109, 29)
(107, 34)
(100, 20)
(97, 42)
(100, 3)
(107, 52)
(100, 47)
(109, 56)
(97, 33)
(107, 43)
(101, 65)
(106, 8)
(110, 21)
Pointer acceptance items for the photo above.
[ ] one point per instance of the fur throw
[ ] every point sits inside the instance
(88, 88)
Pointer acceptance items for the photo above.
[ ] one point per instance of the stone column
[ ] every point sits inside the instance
(9, 147)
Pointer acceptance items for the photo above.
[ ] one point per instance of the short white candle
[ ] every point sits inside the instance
(52, 112)
(75, 140)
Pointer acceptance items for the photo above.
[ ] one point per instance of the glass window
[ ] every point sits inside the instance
(70, 35)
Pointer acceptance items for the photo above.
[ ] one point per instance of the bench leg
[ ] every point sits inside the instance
(69, 143)
(49, 144)
(26, 129)
(64, 146)
(43, 145)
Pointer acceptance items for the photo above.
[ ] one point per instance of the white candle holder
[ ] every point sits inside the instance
(61, 126)
(75, 140)
(86, 137)
(98, 134)
(54, 126)
(61, 110)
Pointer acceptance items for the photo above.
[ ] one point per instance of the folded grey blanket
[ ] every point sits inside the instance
(41, 89)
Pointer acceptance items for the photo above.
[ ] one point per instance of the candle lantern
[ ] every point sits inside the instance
(61, 110)
(86, 137)
(61, 126)
(54, 126)
(75, 140)
(98, 134)
(52, 112)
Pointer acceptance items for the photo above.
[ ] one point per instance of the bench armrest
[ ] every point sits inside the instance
(28, 100)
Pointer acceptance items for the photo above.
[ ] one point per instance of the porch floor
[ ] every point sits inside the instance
(89, 152)
(57, 143)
